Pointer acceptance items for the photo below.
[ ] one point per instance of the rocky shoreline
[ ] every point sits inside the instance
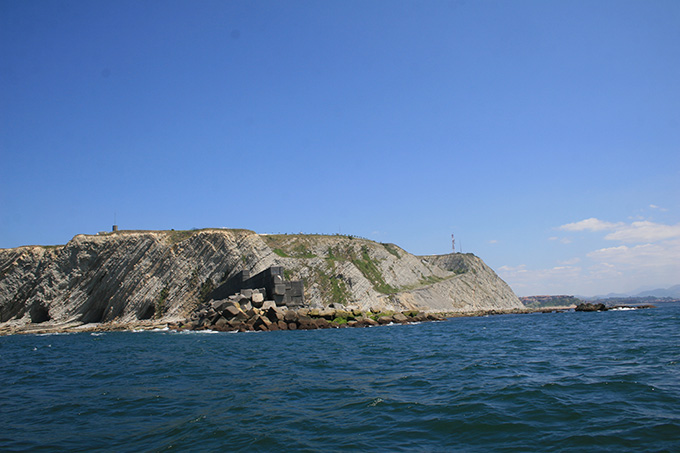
(207, 318)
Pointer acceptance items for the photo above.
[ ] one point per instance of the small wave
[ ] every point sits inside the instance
(97, 334)
(375, 402)
(197, 332)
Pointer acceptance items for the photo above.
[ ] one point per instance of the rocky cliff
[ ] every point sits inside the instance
(135, 275)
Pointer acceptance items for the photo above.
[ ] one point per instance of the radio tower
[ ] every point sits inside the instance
(453, 243)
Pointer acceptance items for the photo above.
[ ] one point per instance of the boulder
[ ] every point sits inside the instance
(303, 312)
(327, 314)
(343, 314)
(399, 317)
(253, 312)
(234, 324)
(261, 320)
(267, 304)
(305, 322)
(257, 298)
(213, 317)
(282, 325)
(220, 305)
(385, 320)
(292, 326)
(290, 316)
(366, 322)
(321, 323)
(231, 310)
(221, 323)
(275, 314)
(247, 293)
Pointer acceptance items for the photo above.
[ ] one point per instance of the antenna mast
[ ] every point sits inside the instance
(453, 243)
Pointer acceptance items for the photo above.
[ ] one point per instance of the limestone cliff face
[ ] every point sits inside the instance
(129, 275)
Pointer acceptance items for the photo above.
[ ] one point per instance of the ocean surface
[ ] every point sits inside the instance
(541, 382)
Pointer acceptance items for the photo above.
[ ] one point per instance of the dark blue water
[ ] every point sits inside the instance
(544, 382)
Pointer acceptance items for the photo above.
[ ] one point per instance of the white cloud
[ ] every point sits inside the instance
(513, 269)
(493, 241)
(653, 206)
(591, 224)
(639, 231)
(647, 253)
(662, 254)
(644, 231)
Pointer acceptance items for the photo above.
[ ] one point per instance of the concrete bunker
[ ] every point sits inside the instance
(288, 293)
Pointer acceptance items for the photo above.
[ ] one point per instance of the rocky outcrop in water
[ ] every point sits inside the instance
(165, 276)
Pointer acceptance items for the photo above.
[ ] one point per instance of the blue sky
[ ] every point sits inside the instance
(544, 134)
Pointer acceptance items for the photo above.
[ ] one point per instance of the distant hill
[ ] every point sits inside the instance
(672, 292)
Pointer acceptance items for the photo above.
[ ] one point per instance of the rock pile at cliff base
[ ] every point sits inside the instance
(242, 315)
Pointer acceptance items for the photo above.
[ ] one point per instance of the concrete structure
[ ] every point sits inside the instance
(271, 280)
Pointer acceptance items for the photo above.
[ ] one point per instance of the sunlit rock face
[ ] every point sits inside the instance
(128, 276)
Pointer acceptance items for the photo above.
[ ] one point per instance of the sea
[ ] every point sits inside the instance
(557, 382)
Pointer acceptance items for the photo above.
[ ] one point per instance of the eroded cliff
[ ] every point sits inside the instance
(135, 275)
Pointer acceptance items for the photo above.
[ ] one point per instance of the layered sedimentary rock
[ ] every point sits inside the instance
(165, 275)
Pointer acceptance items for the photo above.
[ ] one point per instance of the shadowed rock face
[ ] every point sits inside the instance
(128, 275)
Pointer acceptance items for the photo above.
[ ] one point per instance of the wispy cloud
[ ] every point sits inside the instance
(635, 232)
(653, 206)
(591, 224)
(647, 253)
(556, 280)
(666, 253)
(644, 231)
